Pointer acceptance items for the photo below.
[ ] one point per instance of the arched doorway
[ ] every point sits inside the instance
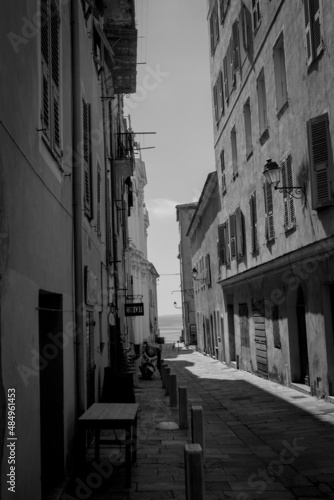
(302, 338)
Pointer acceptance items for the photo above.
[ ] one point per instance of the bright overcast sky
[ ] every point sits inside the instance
(174, 100)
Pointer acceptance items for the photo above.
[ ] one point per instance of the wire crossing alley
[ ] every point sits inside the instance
(262, 440)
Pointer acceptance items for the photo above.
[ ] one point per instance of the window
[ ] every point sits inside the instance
(289, 209)
(218, 97)
(223, 7)
(98, 210)
(244, 328)
(50, 50)
(256, 14)
(233, 236)
(234, 152)
(214, 28)
(253, 223)
(321, 162)
(280, 74)
(235, 46)
(276, 332)
(87, 159)
(262, 104)
(248, 129)
(269, 212)
(208, 270)
(223, 244)
(239, 228)
(313, 29)
(222, 168)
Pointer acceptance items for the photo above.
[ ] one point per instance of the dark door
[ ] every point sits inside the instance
(302, 338)
(260, 338)
(231, 332)
(51, 391)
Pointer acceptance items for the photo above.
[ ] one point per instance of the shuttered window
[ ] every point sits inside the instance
(280, 74)
(289, 209)
(223, 8)
(262, 103)
(234, 151)
(223, 244)
(214, 27)
(226, 79)
(248, 129)
(313, 29)
(239, 225)
(233, 236)
(236, 47)
(215, 102)
(87, 158)
(50, 57)
(269, 212)
(222, 168)
(98, 199)
(218, 97)
(253, 223)
(256, 14)
(321, 162)
(208, 270)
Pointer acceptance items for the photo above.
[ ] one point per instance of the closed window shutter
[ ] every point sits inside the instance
(215, 102)
(220, 94)
(226, 82)
(45, 49)
(233, 243)
(285, 196)
(232, 71)
(236, 48)
(98, 215)
(253, 218)
(244, 27)
(212, 42)
(289, 179)
(55, 52)
(87, 158)
(221, 245)
(45, 113)
(319, 139)
(208, 270)
(227, 243)
(239, 233)
(270, 233)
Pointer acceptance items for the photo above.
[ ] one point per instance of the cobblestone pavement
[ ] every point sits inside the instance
(262, 440)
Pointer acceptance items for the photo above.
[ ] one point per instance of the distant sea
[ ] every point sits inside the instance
(170, 327)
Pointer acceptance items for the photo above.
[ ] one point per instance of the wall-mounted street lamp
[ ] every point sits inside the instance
(176, 306)
(272, 174)
(195, 274)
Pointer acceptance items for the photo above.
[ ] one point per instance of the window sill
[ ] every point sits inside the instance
(282, 109)
(235, 175)
(290, 229)
(224, 191)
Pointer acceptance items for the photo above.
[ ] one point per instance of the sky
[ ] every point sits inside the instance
(173, 99)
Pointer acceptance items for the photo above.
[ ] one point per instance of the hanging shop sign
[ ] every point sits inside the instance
(134, 309)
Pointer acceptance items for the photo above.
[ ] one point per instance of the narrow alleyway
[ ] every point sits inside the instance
(263, 440)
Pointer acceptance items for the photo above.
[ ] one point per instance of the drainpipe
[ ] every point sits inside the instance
(77, 205)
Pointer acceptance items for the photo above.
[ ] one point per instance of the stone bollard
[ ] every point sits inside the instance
(183, 408)
(194, 472)
(167, 385)
(197, 427)
(172, 390)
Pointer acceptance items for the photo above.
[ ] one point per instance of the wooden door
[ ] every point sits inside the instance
(260, 338)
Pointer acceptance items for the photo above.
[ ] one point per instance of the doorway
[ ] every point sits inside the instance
(304, 377)
(51, 378)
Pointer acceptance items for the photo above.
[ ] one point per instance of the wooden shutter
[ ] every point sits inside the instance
(226, 78)
(208, 270)
(216, 23)
(227, 242)
(220, 92)
(289, 209)
(308, 36)
(239, 233)
(55, 72)
(319, 142)
(231, 65)
(45, 50)
(221, 245)
(243, 31)
(315, 8)
(215, 102)
(253, 221)
(212, 43)
(87, 158)
(236, 48)
(233, 245)
(268, 194)
(98, 211)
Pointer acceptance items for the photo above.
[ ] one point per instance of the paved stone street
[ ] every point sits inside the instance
(263, 440)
